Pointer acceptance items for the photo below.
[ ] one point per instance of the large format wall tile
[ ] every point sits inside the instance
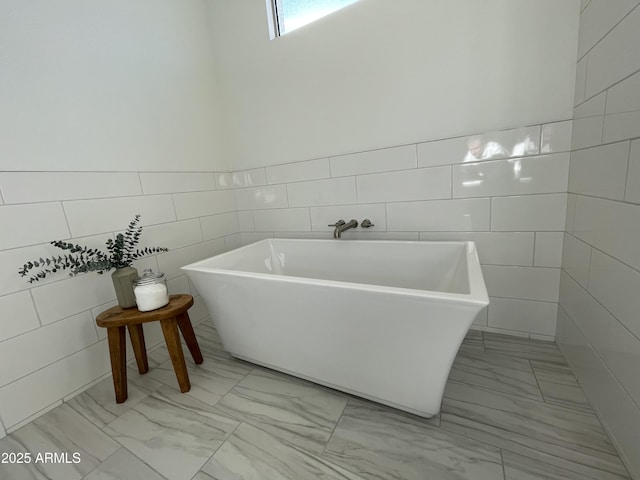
(633, 177)
(18, 315)
(494, 248)
(39, 390)
(322, 192)
(384, 160)
(200, 204)
(30, 224)
(256, 198)
(616, 287)
(613, 227)
(529, 212)
(88, 217)
(28, 187)
(515, 176)
(299, 171)
(439, 215)
(406, 185)
(615, 56)
(45, 346)
(600, 171)
(598, 19)
(153, 183)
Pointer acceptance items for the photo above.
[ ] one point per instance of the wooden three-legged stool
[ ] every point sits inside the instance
(171, 317)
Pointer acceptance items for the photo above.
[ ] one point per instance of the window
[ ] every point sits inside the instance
(291, 14)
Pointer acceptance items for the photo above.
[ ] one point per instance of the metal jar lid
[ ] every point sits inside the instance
(149, 277)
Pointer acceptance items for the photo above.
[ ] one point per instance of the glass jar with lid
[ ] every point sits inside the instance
(150, 290)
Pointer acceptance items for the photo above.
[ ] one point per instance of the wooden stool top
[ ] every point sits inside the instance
(120, 317)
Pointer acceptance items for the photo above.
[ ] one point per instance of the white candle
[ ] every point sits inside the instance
(151, 296)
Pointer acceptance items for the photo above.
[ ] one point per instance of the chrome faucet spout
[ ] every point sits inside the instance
(341, 227)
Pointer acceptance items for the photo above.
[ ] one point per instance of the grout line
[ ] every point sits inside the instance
(606, 366)
(635, 269)
(586, 291)
(140, 183)
(35, 308)
(324, 448)
(42, 367)
(608, 31)
(535, 376)
(504, 471)
(66, 219)
(416, 144)
(626, 183)
(34, 416)
(608, 87)
(604, 115)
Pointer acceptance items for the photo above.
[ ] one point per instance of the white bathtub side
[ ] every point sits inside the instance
(392, 347)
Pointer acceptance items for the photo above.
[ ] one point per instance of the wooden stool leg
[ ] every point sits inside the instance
(118, 353)
(172, 338)
(139, 348)
(184, 322)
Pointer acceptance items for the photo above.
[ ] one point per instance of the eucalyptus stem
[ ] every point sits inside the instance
(119, 254)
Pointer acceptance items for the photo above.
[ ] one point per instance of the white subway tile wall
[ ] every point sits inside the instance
(384, 160)
(510, 198)
(295, 172)
(50, 325)
(598, 323)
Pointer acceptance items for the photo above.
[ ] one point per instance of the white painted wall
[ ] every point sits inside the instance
(107, 86)
(381, 73)
(598, 321)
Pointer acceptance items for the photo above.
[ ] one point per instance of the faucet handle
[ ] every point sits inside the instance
(366, 223)
(339, 223)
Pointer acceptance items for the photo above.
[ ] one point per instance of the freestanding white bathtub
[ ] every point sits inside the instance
(379, 319)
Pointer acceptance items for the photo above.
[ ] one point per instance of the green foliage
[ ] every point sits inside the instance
(120, 253)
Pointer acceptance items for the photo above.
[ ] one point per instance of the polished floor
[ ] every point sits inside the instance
(512, 410)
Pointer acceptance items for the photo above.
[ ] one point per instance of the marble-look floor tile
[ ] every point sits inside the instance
(173, 433)
(523, 348)
(62, 431)
(496, 372)
(559, 385)
(378, 443)
(525, 426)
(518, 467)
(291, 409)
(570, 396)
(210, 381)
(155, 357)
(251, 453)
(204, 476)
(123, 465)
(208, 339)
(98, 403)
(553, 372)
(473, 341)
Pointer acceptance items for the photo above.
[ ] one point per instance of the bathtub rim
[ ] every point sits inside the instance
(477, 289)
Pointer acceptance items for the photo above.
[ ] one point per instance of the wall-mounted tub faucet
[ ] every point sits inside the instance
(341, 226)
